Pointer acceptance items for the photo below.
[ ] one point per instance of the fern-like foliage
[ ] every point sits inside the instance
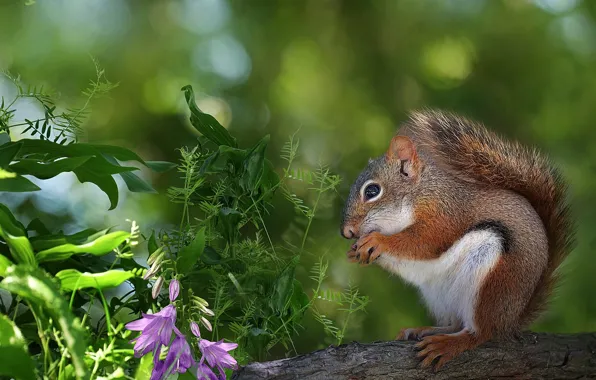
(58, 126)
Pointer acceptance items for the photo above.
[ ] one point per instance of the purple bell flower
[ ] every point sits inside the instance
(215, 353)
(156, 331)
(178, 360)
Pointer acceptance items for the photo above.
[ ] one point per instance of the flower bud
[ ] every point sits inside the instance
(157, 287)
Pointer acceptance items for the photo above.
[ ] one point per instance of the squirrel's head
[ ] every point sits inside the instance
(381, 197)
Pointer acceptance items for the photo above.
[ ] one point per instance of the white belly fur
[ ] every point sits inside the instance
(451, 283)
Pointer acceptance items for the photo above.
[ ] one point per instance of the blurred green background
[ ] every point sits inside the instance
(343, 73)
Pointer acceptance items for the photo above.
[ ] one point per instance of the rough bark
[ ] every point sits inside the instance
(533, 356)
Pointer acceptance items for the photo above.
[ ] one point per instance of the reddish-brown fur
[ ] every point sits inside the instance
(489, 179)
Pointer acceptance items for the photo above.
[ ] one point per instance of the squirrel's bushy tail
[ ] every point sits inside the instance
(470, 149)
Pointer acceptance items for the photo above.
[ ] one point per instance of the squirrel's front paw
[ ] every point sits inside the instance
(367, 249)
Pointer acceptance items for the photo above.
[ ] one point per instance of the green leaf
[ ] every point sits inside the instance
(145, 367)
(97, 164)
(72, 279)
(48, 241)
(225, 159)
(210, 256)
(8, 152)
(118, 152)
(105, 182)
(37, 226)
(98, 247)
(15, 237)
(4, 264)
(160, 166)
(284, 286)
(229, 219)
(205, 123)
(47, 170)
(16, 361)
(136, 184)
(189, 255)
(152, 243)
(186, 376)
(253, 166)
(299, 299)
(269, 180)
(17, 184)
(9, 223)
(35, 286)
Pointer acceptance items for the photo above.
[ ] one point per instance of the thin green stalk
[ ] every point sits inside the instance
(107, 313)
(264, 226)
(312, 214)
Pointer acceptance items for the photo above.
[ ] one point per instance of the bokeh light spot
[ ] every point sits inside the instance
(447, 63)
(556, 6)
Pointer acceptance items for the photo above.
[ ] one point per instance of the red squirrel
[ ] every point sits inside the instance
(479, 224)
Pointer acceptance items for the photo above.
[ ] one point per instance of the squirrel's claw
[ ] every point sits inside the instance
(445, 347)
(367, 249)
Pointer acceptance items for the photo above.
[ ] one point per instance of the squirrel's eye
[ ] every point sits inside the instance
(371, 191)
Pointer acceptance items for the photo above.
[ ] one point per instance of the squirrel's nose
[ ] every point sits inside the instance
(348, 232)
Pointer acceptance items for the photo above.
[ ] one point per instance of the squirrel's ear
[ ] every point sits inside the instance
(402, 149)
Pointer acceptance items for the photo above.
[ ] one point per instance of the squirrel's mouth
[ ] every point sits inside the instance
(365, 230)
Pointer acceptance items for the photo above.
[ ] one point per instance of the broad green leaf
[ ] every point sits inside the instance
(101, 166)
(98, 247)
(9, 223)
(160, 166)
(105, 182)
(17, 184)
(97, 163)
(283, 289)
(229, 219)
(188, 375)
(15, 237)
(210, 256)
(47, 241)
(205, 123)
(16, 361)
(47, 170)
(269, 180)
(4, 264)
(225, 159)
(253, 166)
(189, 255)
(299, 299)
(51, 149)
(152, 243)
(145, 367)
(133, 182)
(136, 184)
(72, 279)
(37, 287)
(8, 152)
(37, 226)
(54, 150)
(118, 152)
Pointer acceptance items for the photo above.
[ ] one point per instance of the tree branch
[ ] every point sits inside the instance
(533, 356)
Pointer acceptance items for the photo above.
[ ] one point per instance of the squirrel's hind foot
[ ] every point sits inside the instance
(445, 347)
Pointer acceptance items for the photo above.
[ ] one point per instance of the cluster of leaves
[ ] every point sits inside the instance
(227, 194)
(45, 158)
(222, 251)
(52, 280)
(37, 271)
